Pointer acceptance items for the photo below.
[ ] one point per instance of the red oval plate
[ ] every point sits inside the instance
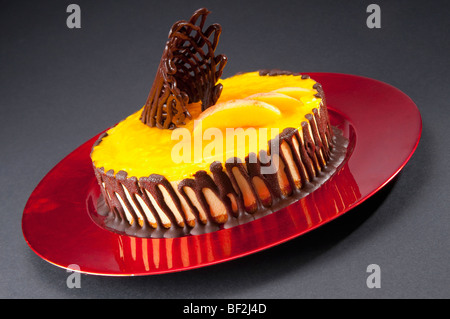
(383, 126)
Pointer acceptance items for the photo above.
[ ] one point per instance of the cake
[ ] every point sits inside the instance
(206, 153)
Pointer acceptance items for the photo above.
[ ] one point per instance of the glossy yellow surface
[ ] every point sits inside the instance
(141, 150)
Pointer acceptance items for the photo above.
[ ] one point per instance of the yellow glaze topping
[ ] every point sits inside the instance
(251, 110)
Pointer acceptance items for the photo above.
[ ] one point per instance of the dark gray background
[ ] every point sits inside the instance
(59, 87)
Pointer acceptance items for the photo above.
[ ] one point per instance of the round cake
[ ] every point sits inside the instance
(206, 153)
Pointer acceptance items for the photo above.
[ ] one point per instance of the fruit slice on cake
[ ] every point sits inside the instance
(237, 113)
(295, 92)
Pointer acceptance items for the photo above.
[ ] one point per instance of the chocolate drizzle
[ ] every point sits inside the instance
(187, 73)
(231, 193)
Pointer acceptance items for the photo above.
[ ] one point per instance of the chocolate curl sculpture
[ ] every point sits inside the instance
(188, 73)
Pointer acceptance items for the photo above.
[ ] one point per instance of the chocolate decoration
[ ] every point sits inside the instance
(316, 149)
(224, 184)
(274, 72)
(187, 73)
(253, 164)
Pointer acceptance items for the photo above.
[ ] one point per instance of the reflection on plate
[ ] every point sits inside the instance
(383, 127)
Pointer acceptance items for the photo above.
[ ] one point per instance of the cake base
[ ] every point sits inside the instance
(106, 219)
